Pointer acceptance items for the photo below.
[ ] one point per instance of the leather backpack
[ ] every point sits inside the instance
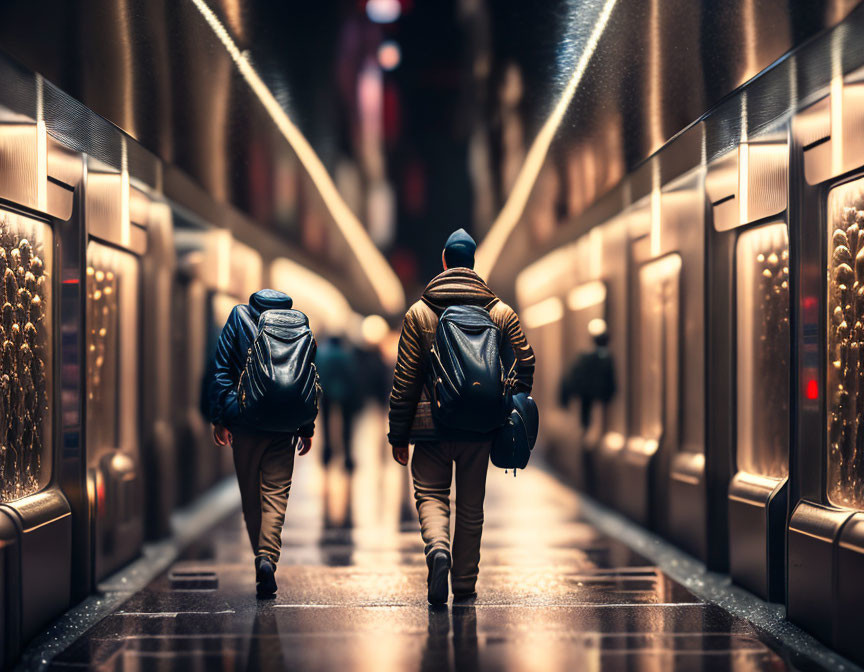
(468, 391)
(279, 388)
(512, 445)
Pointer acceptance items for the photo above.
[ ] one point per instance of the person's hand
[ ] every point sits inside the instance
(305, 445)
(400, 454)
(221, 435)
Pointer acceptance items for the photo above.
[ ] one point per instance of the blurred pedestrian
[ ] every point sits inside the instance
(343, 396)
(591, 378)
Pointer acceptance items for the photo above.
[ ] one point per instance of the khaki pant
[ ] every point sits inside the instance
(432, 470)
(264, 465)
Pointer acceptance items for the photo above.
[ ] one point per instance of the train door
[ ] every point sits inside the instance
(158, 447)
(111, 327)
(35, 515)
(826, 530)
(750, 359)
(603, 462)
(644, 466)
(195, 464)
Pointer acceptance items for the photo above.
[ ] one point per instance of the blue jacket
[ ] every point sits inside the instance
(229, 360)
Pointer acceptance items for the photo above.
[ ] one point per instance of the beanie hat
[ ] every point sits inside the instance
(459, 249)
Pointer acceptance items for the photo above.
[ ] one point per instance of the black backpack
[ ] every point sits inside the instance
(466, 378)
(278, 389)
(512, 445)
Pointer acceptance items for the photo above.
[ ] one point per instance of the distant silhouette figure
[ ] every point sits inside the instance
(337, 368)
(591, 377)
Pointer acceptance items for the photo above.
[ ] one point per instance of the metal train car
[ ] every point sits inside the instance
(728, 269)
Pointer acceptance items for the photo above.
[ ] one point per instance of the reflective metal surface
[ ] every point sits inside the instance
(627, 108)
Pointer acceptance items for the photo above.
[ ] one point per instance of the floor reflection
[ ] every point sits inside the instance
(554, 593)
(265, 645)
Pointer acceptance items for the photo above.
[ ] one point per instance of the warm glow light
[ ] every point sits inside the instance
(585, 296)
(492, 245)
(383, 11)
(374, 329)
(837, 124)
(812, 389)
(222, 241)
(326, 306)
(381, 276)
(389, 55)
(743, 182)
(655, 239)
(597, 327)
(125, 222)
(535, 281)
(41, 147)
(662, 268)
(546, 312)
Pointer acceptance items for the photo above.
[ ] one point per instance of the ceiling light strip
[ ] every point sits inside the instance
(381, 276)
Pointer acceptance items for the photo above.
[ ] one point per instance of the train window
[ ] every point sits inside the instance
(112, 333)
(659, 302)
(762, 311)
(845, 393)
(27, 347)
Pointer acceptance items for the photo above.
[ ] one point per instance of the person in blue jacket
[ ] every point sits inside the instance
(264, 461)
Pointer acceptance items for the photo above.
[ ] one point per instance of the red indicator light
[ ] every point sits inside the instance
(812, 389)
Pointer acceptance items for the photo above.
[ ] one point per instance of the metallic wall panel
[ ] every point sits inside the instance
(757, 532)
(850, 582)
(813, 531)
(10, 591)
(44, 524)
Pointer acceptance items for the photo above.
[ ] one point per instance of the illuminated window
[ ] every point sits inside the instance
(658, 343)
(845, 386)
(762, 304)
(27, 346)
(112, 350)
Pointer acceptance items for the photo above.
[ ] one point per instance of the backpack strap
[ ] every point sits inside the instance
(432, 317)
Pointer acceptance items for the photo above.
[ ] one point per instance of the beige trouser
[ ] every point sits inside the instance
(264, 465)
(432, 470)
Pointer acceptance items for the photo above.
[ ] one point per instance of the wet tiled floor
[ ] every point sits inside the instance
(554, 594)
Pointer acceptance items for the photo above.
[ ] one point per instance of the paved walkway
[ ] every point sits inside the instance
(554, 593)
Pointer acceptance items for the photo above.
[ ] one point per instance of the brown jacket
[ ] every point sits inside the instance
(455, 286)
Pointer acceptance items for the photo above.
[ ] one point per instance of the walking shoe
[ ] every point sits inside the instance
(265, 576)
(439, 575)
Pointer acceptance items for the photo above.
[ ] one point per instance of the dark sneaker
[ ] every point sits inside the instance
(265, 576)
(439, 575)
